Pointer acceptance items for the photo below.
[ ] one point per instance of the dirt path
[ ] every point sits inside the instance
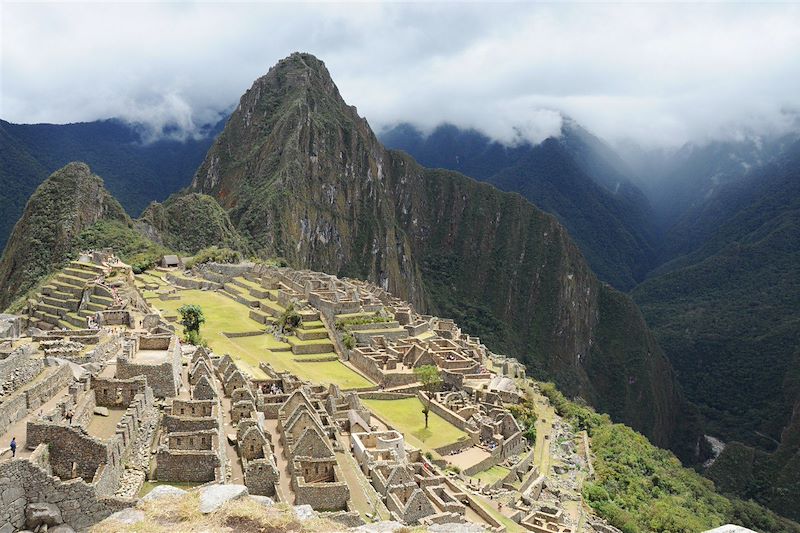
(284, 488)
(19, 429)
(364, 498)
(228, 428)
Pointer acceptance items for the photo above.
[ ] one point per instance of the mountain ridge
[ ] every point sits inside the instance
(574, 176)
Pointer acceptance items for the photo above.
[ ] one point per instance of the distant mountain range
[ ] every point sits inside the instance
(714, 265)
(727, 312)
(575, 176)
(136, 172)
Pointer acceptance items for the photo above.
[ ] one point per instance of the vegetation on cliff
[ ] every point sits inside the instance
(638, 487)
(574, 176)
(190, 222)
(136, 169)
(129, 245)
(69, 201)
(726, 313)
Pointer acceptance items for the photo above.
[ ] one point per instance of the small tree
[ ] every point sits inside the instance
(290, 319)
(431, 380)
(192, 318)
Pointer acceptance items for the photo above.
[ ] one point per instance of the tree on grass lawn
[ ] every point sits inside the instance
(192, 318)
(431, 380)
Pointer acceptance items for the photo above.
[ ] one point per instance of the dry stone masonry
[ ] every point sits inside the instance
(104, 399)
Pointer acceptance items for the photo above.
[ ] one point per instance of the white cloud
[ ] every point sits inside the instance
(661, 74)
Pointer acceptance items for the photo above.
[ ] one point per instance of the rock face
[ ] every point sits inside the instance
(69, 201)
(213, 497)
(162, 491)
(575, 176)
(37, 514)
(304, 177)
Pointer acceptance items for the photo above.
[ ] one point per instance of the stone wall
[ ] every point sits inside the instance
(82, 410)
(443, 411)
(15, 359)
(172, 423)
(319, 483)
(32, 396)
(194, 466)
(112, 392)
(114, 318)
(260, 476)
(40, 391)
(24, 481)
(13, 409)
(373, 371)
(164, 378)
(74, 453)
(381, 395)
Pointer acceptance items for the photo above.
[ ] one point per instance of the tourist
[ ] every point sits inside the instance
(13, 447)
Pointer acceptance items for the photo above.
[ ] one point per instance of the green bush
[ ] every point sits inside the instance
(214, 254)
(194, 337)
(289, 319)
(349, 341)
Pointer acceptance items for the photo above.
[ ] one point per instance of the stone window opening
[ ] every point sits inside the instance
(179, 441)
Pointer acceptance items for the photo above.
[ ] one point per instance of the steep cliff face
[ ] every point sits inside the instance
(574, 176)
(69, 201)
(304, 177)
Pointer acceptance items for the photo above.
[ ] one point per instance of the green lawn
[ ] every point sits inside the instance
(226, 315)
(406, 416)
(250, 284)
(492, 474)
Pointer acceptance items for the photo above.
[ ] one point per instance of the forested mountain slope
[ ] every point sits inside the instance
(575, 176)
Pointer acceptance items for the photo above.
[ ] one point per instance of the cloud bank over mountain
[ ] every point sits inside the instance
(660, 74)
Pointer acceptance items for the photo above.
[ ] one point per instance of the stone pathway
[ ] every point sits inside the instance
(363, 496)
(19, 429)
(228, 428)
(284, 487)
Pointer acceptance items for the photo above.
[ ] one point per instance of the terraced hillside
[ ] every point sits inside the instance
(70, 297)
(241, 316)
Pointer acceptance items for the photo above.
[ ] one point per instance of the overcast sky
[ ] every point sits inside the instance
(660, 74)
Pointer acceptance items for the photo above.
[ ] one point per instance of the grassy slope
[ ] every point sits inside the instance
(69, 201)
(638, 487)
(406, 416)
(226, 315)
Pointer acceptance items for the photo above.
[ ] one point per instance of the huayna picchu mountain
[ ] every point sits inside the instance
(304, 177)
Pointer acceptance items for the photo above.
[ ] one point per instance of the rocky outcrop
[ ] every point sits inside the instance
(304, 177)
